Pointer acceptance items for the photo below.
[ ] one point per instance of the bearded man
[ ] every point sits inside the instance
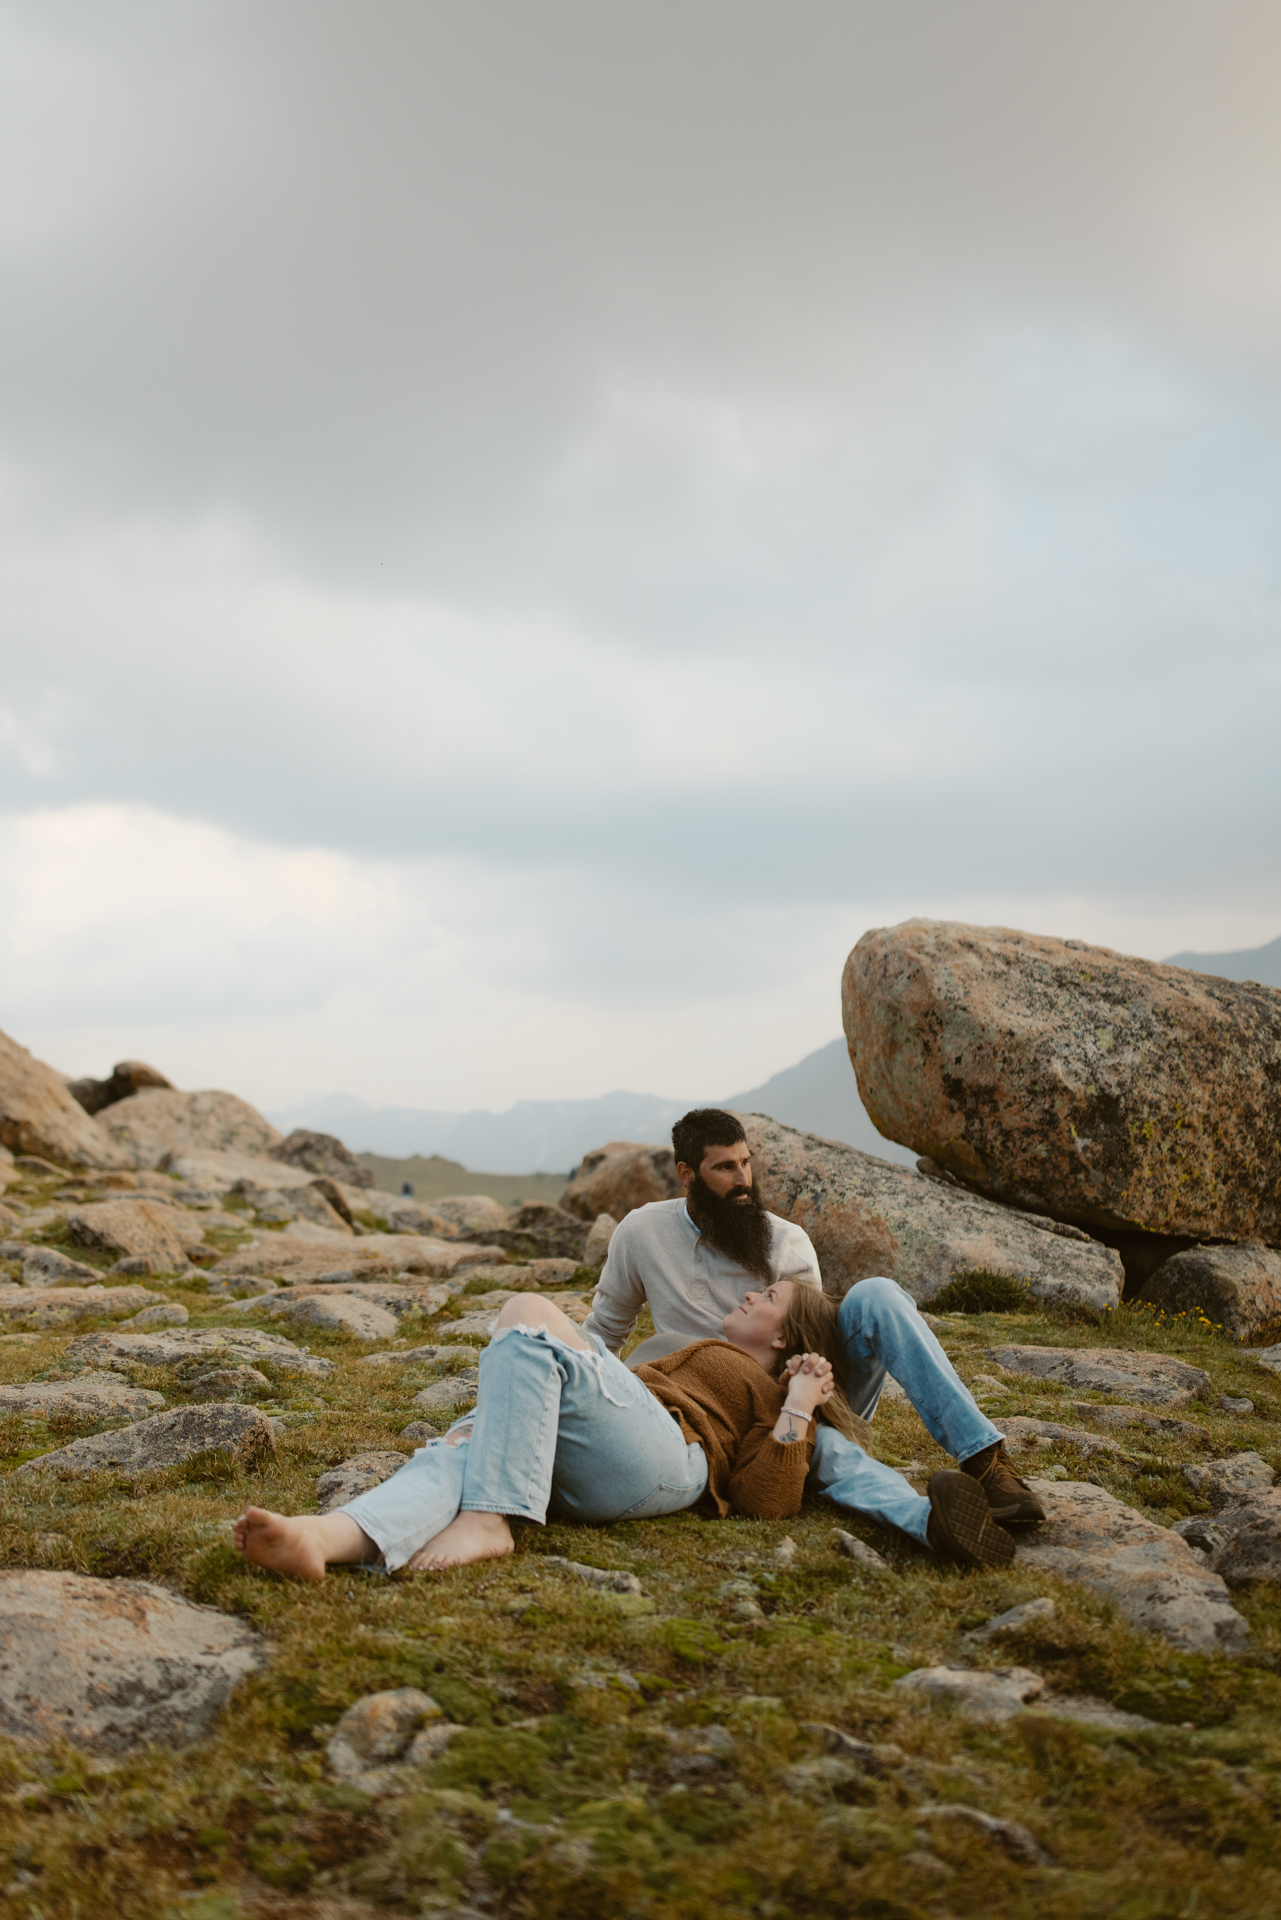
(694, 1260)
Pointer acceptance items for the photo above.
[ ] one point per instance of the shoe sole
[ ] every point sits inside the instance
(965, 1520)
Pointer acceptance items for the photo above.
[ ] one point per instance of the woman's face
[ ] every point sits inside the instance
(757, 1321)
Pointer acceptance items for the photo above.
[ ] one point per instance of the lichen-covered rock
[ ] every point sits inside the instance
(1052, 1074)
(1225, 1483)
(619, 1177)
(868, 1217)
(1022, 1434)
(449, 1396)
(156, 1237)
(381, 1733)
(294, 1256)
(1153, 1379)
(357, 1475)
(1236, 1288)
(47, 1266)
(596, 1246)
(981, 1695)
(323, 1154)
(1246, 1543)
(1149, 1571)
(159, 1121)
(180, 1346)
(39, 1116)
(55, 1306)
(339, 1313)
(91, 1396)
(114, 1665)
(242, 1434)
(229, 1383)
(471, 1212)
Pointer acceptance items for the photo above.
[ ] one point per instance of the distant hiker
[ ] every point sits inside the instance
(562, 1426)
(692, 1260)
(406, 1189)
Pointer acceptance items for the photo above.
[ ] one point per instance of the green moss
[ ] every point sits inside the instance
(978, 1290)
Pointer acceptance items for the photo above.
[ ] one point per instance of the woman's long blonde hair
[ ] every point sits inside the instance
(812, 1326)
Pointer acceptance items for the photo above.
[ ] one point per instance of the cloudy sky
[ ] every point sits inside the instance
(525, 528)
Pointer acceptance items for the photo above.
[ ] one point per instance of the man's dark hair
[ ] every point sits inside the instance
(703, 1128)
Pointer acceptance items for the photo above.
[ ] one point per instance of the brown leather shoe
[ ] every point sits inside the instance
(1012, 1501)
(961, 1526)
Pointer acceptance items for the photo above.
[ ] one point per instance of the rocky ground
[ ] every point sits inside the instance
(675, 1718)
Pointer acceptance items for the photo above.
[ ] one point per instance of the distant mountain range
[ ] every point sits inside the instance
(1255, 963)
(819, 1095)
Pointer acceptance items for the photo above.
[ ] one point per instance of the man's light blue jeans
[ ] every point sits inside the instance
(556, 1430)
(884, 1333)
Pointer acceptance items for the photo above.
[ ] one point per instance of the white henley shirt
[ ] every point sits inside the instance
(657, 1254)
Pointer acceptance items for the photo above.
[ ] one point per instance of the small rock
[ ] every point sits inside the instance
(1253, 1548)
(920, 1860)
(340, 1311)
(171, 1314)
(858, 1551)
(474, 1212)
(242, 1434)
(225, 1286)
(451, 1395)
(322, 1154)
(1022, 1434)
(1014, 1619)
(55, 1306)
(423, 1357)
(88, 1397)
(1055, 1473)
(229, 1383)
(987, 1383)
(376, 1733)
(1231, 1403)
(137, 1231)
(431, 1743)
(821, 1776)
(1269, 1357)
(47, 1267)
(418, 1433)
(997, 1695)
(357, 1475)
(1224, 1482)
(1203, 1531)
(868, 1756)
(112, 1666)
(1163, 1425)
(785, 1551)
(1156, 1379)
(1015, 1839)
(613, 1579)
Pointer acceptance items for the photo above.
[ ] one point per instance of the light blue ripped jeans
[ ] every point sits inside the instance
(883, 1333)
(556, 1431)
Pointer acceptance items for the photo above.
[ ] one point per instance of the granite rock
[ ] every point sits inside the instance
(126, 1077)
(867, 1217)
(112, 1666)
(1022, 1435)
(357, 1475)
(596, 1245)
(1150, 1573)
(161, 1121)
(471, 1212)
(162, 1440)
(158, 1238)
(453, 1395)
(39, 1116)
(1153, 1379)
(181, 1346)
(979, 1694)
(47, 1266)
(338, 1312)
(385, 1732)
(56, 1306)
(322, 1154)
(1225, 1483)
(90, 1396)
(1236, 1288)
(1052, 1074)
(619, 1177)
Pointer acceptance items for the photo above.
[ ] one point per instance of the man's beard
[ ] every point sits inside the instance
(736, 1224)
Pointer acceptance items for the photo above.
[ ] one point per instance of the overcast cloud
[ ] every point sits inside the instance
(525, 529)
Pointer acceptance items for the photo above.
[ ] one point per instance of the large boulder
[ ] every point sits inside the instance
(159, 1122)
(1236, 1288)
(1109, 1091)
(619, 1177)
(867, 1217)
(1149, 1379)
(323, 1154)
(126, 1077)
(39, 1116)
(114, 1665)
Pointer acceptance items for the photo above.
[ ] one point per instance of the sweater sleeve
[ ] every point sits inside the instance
(619, 1295)
(768, 1477)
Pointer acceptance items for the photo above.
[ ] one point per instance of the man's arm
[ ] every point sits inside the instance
(619, 1295)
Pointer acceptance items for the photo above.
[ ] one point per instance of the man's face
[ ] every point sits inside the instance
(726, 1170)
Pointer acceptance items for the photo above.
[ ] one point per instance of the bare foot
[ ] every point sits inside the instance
(472, 1536)
(272, 1540)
